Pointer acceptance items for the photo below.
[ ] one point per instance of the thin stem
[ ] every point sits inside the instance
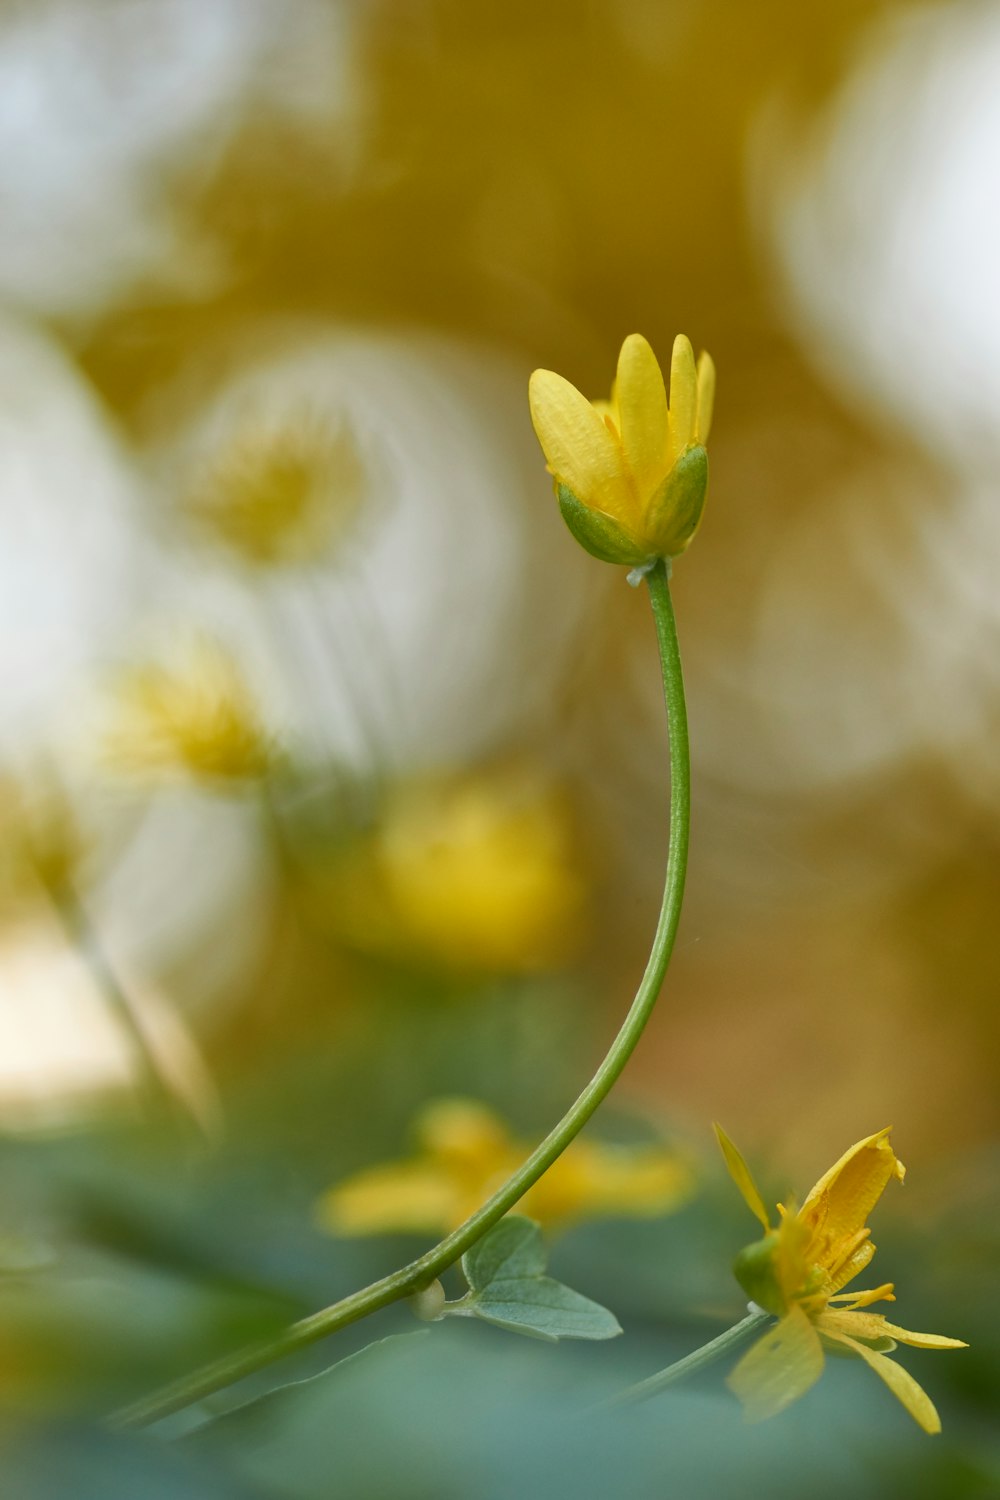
(419, 1273)
(83, 935)
(697, 1360)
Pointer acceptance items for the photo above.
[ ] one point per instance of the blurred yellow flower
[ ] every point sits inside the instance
(465, 1152)
(797, 1271)
(630, 473)
(279, 493)
(197, 716)
(40, 839)
(475, 872)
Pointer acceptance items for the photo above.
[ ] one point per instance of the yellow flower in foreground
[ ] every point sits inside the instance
(474, 872)
(465, 1152)
(197, 716)
(797, 1272)
(630, 473)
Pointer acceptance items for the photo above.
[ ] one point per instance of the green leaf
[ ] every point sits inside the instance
(256, 1411)
(545, 1309)
(508, 1287)
(597, 533)
(513, 1248)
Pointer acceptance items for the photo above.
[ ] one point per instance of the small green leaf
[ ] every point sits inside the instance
(511, 1249)
(545, 1309)
(597, 533)
(505, 1272)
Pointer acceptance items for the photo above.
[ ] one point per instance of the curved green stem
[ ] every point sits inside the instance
(697, 1360)
(419, 1273)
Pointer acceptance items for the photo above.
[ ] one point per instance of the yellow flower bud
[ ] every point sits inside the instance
(630, 473)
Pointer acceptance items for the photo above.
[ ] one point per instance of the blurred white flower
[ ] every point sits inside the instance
(886, 222)
(435, 623)
(72, 559)
(105, 109)
(75, 577)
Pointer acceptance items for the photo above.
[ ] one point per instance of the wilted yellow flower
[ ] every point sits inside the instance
(474, 872)
(465, 1152)
(279, 493)
(196, 716)
(630, 473)
(797, 1271)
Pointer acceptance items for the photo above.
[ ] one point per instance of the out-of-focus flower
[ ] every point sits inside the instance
(73, 565)
(465, 1152)
(630, 473)
(475, 872)
(98, 165)
(887, 241)
(356, 657)
(797, 1271)
(40, 840)
(279, 493)
(196, 716)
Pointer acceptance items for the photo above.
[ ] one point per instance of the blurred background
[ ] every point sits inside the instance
(333, 774)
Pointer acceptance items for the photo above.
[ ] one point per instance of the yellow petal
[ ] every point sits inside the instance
(397, 1198)
(462, 1131)
(850, 1264)
(922, 1340)
(579, 447)
(779, 1368)
(591, 1179)
(853, 1325)
(706, 396)
(683, 397)
(642, 413)
(900, 1382)
(740, 1173)
(862, 1325)
(838, 1206)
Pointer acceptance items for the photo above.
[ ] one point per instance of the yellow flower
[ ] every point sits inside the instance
(279, 494)
(40, 839)
(630, 474)
(797, 1272)
(197, 716)
(474, 872)
(465, 1151)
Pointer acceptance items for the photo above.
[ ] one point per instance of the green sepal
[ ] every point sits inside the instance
(754, 1270)
(675, 509)
(508, 1287)
(598, 534)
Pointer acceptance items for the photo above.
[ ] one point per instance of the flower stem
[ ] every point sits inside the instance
(419, 1273)
(153, 1090)
(697, 1360)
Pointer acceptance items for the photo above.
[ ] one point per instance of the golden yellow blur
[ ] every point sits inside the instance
(41, 844)
(194, 715)
(280, 496)
(477, 872)
(465, 1151)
